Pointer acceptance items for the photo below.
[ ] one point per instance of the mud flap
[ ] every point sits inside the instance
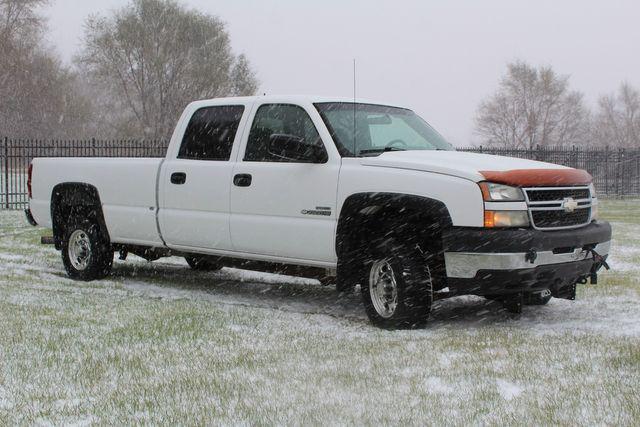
(30, 219)
(598, 262)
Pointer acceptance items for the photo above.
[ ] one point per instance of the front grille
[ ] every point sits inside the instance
(548, 195)
(553, 208)
(554, 219)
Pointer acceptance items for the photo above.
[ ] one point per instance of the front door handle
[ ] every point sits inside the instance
(178, 178)
(242, 180)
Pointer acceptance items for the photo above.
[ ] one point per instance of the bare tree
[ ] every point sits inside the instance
(243, 78)
(532, 107)
(152, 57)
(39, 95)
(19, 23)
(617, 121)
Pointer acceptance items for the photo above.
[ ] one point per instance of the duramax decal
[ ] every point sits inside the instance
(319, 210)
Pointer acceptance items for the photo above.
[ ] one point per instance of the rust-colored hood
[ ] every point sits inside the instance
(539, 177)
(482, 167)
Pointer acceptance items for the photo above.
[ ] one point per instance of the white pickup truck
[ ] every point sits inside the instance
(353, 192)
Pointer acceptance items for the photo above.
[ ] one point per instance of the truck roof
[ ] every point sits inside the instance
(296, 99)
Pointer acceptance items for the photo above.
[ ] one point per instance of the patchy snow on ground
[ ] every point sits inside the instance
(508, 390)
(625, 258)
(158, 343)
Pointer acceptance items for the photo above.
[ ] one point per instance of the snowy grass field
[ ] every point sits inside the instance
(157, 343)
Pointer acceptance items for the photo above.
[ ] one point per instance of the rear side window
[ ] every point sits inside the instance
(211, 132)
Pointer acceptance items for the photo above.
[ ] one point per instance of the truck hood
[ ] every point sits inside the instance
(481, 167)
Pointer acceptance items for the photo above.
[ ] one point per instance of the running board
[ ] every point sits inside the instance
(47, 240)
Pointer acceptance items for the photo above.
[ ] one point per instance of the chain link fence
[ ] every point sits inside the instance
(616, 172)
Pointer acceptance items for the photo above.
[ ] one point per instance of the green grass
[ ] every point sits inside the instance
(159, 344)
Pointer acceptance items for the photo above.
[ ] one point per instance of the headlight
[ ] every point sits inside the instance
(492, 192)
(495, 219)
(592, 189)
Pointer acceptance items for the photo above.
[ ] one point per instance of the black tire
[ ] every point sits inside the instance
(413, 284)
(201, 263)
(97, 261)
(513, 303)
(537, 298)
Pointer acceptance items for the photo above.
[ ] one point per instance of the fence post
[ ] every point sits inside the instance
(606, 169)
(6, 171)
(637, 154)
(618, 175)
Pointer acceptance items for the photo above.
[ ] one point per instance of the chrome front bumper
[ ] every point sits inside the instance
(465, 265)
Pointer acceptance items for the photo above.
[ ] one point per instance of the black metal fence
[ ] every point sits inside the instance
(616, 172)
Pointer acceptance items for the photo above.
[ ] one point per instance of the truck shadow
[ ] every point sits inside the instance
(284, 293)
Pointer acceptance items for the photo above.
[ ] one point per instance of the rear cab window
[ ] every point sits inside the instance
(211, 132)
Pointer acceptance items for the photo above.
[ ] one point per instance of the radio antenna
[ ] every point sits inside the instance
(354, 107)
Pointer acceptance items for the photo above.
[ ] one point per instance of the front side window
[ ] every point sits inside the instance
(211, 132)
(289, 124)
(369, 130)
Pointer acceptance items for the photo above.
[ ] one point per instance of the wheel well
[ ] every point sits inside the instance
(74, 199)
(406, 217)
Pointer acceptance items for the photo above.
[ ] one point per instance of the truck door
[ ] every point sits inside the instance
(284, 205)
(194, 207)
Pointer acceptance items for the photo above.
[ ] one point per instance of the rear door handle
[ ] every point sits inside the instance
(242, 180)
(178, 178)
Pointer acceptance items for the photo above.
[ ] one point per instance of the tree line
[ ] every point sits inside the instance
(140, 65)
(536, 107)
(137, 69)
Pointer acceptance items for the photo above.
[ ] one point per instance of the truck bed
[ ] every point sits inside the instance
(127, 188)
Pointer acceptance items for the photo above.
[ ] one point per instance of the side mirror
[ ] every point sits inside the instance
(291, 147)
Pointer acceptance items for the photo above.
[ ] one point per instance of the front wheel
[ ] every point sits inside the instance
(396, 287)
(86, 253)
(538, 298)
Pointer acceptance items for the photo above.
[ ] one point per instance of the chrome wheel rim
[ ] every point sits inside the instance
(383, 288)
(79, 250)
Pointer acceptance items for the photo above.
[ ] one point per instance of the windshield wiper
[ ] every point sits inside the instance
(381, 150)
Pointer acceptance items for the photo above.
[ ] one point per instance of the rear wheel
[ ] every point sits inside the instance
(396, 286)
(201, 263)
(86, 252)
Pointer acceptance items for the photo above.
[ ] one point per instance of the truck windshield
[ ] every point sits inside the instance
(360, 130)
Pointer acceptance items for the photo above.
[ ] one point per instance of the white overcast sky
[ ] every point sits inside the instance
(440, 58)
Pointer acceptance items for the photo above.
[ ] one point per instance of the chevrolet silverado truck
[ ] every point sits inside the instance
(349, 192)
